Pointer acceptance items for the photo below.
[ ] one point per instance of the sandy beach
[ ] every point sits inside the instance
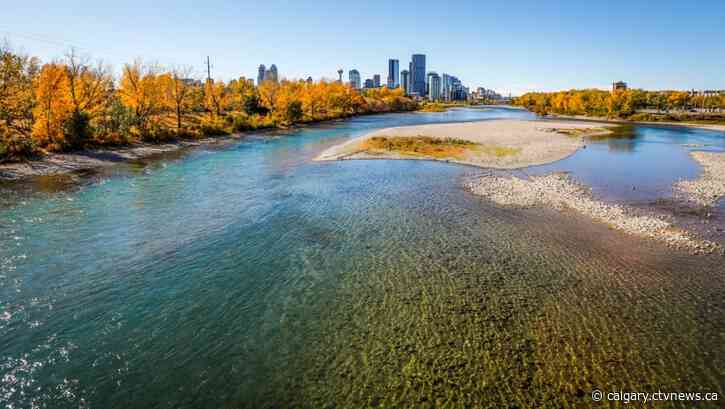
(523, 143)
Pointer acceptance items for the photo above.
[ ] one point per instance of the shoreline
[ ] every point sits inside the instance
(499, 143)
(59, 163)
(707, 127)
(88, 159)
(561, 192)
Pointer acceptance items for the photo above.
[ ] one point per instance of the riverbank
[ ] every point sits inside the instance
(61, 163)
(709, 127)
(499, 143)
(559, 191)
(709, 188)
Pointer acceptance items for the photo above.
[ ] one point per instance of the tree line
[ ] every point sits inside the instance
(72, 104)
(624, 104)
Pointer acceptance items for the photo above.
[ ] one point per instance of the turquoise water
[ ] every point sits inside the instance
(249, 276)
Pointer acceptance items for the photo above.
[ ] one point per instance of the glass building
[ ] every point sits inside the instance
(417, 74)
(393, 73)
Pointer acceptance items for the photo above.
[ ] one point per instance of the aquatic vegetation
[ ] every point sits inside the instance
(418, 146)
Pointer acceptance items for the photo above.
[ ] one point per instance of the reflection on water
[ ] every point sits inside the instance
(249, 276)
(637, 164)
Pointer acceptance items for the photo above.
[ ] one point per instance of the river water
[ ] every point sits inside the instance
(246, 275)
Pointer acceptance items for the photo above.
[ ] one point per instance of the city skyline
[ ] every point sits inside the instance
(512, 48)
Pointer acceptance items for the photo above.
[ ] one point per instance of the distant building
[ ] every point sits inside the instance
(434, 86)
(393, 73)
(369, 83)
(354, 76)
(376, 80)
(405, 81)
(260, 74)
(339, 75)
(267, 74)
(619, 86)
(486, 95)
(309, 80)
(192, 82)
(417, 74)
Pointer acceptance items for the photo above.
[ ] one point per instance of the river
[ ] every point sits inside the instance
(247, 275)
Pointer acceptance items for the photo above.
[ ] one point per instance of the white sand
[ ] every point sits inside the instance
(535, 142)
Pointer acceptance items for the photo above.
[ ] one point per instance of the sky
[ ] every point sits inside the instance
(510, 46)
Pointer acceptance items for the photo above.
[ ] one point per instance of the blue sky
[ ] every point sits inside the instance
(510, 46)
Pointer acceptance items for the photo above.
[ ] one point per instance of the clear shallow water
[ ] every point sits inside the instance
(639, 164)
(248, 276)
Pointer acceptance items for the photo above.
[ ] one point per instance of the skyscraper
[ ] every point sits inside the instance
(354, 79)
(260, 74)
(273, 73)
(393, 73)
(376, 80)
(417, 74)
(434, 86)
(405, 81)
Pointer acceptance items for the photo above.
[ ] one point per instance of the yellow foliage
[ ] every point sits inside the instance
(53, 106)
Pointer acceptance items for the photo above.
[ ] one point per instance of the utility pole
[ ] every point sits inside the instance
(208, 69)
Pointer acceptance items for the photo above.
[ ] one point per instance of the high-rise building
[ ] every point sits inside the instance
(417, 74)
(405, 81)
(376, 80)
(434, 86)
(260, 74)
(369, 83)
(267, 75)
(354, 79)
(393, 73)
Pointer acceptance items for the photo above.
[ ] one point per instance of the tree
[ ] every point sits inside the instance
(90, 89)
(268, 94)
(53, 105)
(141, 91)
(17, 96)
(215, 97)
(178, 93)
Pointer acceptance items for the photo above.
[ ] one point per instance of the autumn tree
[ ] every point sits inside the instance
(17, 99)
(141, 90)
(90, 89)
(268, 94)
(53, 107)
(178, 93)
(215, 97)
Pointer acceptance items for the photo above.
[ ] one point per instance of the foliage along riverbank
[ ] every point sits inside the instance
(631, 105)
(74, 105)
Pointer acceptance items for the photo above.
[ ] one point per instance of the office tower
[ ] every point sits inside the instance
(273, 73)
(434, 86)
(354, 79)
(376, 80)
(260, 74)
(369, 83)
(405, 81)
(393, 73)
(417, 74)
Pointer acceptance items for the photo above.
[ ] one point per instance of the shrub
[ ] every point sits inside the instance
(213, 127)
(77, 130)
(14, 146)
